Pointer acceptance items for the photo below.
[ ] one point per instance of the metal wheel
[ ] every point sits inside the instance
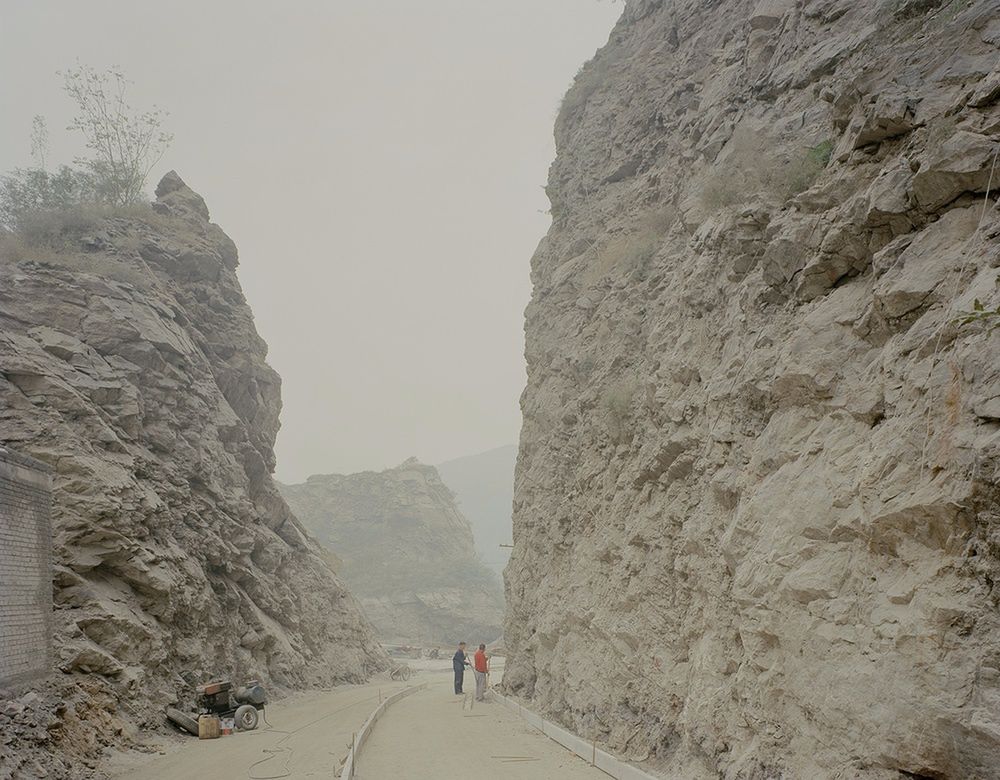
(182, 720)
(246, 717)
(400, 673)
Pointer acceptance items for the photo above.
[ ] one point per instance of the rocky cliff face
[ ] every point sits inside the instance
(407, 553)
(129, 363)
(756, 518)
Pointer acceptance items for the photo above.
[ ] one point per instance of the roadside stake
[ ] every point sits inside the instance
(602, 760)
(358, 739)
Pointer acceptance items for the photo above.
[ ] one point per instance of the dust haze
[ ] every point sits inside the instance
(380, 167)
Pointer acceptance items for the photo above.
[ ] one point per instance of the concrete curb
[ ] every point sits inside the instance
(589, 752)
(347, 770)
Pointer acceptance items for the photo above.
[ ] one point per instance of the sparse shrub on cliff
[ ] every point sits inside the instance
(63, 229)
(26, 190)
(751, 168)
(633, 250)
(588, 79)
(624, 253)
(584, 367)
(719, 191)
(979, 313)
(801, 172)
(55, 237)
(125, 145)
(59, 229)
(14, 250)
(909, 9)
(945, 11)
(940, 129)
(616, 400)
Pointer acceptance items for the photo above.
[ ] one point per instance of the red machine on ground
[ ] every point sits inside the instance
(218, 698)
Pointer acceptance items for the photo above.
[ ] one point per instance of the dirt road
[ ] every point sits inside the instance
(426, 735)
(308, 737)
(430, 735)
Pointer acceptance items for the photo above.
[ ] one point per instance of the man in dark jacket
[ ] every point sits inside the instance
(458, 663)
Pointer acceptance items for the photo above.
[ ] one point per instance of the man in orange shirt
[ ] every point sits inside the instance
(480, 666)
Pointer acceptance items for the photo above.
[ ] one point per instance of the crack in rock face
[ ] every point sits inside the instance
(756, 522)
(130, 364)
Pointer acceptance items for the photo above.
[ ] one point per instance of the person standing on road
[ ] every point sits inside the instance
(458, 663)
(480, 666)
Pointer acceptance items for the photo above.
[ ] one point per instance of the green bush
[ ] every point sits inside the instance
(27, 190)
(979, 313)
(45, 216)
(800, 173)
(125, 144)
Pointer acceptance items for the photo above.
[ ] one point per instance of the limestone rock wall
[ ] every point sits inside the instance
(756, 516)
(407, 553)
(129, 363)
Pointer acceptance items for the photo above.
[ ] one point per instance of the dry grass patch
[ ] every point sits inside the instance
(54, 238)
(64, 228)
(14, 251)
(631, 251)
(751, 167)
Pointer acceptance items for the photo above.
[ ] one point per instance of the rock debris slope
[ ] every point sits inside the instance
(407, 553)
(756, 516)
(129, 363)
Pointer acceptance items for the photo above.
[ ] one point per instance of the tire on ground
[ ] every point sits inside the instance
(182, 720)
(246, 717)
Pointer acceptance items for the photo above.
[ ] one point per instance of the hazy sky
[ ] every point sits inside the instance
(380, 166)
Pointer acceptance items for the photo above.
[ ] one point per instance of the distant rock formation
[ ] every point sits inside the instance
(483, 484)
(756, 514)
(130, 364)
(407, 553)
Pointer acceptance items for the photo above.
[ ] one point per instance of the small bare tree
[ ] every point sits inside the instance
(126, 143)
(39, 141)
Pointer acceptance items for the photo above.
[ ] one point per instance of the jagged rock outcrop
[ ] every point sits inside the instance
(130, 364)
(756, 517)
(407, 553)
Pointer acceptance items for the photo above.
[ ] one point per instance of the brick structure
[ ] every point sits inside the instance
(25, 569)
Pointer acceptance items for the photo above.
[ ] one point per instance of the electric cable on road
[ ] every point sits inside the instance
(279, 747)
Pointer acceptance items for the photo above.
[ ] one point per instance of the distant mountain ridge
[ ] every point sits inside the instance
(484, 486)
(407, 552)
